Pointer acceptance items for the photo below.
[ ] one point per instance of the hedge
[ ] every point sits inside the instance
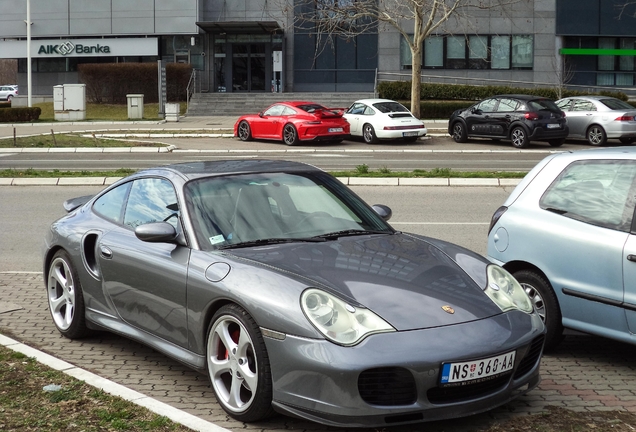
(401, 90)
(111, 82)
(11, 115)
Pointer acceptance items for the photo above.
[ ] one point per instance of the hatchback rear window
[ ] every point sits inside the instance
(543, 104)
(388, 107)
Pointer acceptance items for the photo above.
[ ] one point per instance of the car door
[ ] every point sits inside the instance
(503, 117)
(589, 249)
(353, 116)
(479, 121)
(579, 117)
(270, 123)
(146, 282)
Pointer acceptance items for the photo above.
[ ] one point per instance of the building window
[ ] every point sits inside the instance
(473, 52)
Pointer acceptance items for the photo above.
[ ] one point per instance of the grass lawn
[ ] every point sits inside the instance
(105, 111)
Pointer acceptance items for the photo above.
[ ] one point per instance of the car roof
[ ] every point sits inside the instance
(521, 96)
(372, 101)
(591, 97)
(191, 170)
(626, 152)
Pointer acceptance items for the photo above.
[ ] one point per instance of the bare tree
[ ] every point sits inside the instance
(8, 71)
(415, 20)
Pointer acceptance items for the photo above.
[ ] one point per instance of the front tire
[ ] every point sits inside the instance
(244, 131)
(66, 300)
(545, 304)
(368, 134)
(238, 365)
(519, 137)
(596, 135)
(290, 135)
(459, 132)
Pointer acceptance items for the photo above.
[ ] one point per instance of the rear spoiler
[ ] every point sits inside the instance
(73, 203)
(331, 112)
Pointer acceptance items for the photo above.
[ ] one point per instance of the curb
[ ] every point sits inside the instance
(350, 181)
(112, 388)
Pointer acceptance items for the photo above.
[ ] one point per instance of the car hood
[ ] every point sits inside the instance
(407, 280)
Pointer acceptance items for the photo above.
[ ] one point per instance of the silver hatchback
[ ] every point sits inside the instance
(567, 235)
(599, 118)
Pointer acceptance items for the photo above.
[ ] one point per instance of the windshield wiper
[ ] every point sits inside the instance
(350, 232)
(272, 241)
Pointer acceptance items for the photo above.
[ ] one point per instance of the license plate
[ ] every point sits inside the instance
(553, 126)
(477, 370)
(409, 134)
(335, 129)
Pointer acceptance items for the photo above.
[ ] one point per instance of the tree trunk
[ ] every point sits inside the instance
(416, 80)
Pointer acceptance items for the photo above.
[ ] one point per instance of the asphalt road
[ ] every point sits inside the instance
(457, 214)
(430, 153)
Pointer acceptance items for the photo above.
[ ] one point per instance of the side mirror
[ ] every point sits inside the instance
(476, 111)
(156, 232)
(383, 211)
(260, 114)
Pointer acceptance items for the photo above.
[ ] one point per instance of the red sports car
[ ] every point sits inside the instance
(294, 122)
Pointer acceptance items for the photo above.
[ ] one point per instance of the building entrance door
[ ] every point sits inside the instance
(249, 67)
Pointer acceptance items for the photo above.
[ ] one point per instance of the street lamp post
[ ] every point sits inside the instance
(28, 25)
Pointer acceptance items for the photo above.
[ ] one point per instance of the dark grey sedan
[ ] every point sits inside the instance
(293, 295)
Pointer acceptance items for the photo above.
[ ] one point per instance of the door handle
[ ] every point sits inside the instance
(105, 252)
(631, 257)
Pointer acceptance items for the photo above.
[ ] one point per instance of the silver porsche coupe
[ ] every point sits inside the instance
(293, 295)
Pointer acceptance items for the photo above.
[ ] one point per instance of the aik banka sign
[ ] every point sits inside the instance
(68, 48)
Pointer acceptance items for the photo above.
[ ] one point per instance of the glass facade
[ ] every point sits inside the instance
(473, 52)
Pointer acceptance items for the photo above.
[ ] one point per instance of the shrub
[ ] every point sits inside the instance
(401, 90)
(111, 82)
(22, 114)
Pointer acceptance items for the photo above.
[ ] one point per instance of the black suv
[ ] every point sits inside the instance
(518, 118)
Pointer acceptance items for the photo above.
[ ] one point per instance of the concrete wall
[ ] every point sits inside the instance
(52, 18)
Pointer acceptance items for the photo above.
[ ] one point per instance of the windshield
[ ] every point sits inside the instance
(237, 209)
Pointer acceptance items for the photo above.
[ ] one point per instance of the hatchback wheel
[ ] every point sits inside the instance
(244, 131)
(368, 133)
(238, 365)
(459, 132)
(545, 304)
(596, 135)
(519, 137)
(290, 136)
(66, 300)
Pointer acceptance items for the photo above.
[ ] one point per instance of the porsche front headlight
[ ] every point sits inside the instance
(338, 321)
(505, 291)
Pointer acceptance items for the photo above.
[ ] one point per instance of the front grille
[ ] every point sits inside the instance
(460, 393)
(531, 357)
(388, 386)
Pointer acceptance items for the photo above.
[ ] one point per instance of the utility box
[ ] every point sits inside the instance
(135, 106)
(69, 102)
(172, 112)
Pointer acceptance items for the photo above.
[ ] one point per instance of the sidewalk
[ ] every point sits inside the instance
(586, 373)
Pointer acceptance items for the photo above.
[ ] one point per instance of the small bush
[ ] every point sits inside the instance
(11, 115)
(401, 90)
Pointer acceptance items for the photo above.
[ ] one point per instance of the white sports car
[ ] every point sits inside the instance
(376, 119)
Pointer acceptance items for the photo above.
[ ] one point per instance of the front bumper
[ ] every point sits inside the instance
(320, 381)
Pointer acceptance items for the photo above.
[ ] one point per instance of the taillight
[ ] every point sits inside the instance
(531, 116)
(496, 216)
(624, 118)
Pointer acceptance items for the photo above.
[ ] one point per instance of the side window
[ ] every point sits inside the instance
(368, 111)
(599, 192)
(507, 105)
(111, 204)
(488, 105)
(582, 105)
(287, 111)
(151, 200)
(276, 110)
(564, 105)
(356, 108)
